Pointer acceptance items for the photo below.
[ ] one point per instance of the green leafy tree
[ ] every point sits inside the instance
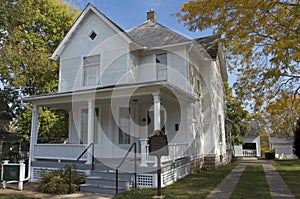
(261, 39)
(297, 140)
(237, 115)
(30, 31)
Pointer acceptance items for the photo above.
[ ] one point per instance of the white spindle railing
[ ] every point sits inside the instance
(59, 151)
(176, 151)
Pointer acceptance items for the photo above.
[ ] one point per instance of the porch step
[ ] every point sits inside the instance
(100, 189)
(104, 182)
(111, 174)
(101, 181)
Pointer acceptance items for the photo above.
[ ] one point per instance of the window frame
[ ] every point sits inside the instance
(124, 137)
(90, 78)
(161, 67)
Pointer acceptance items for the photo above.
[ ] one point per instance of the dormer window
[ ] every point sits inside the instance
(93, 35)
(91, 68)
(161, 66)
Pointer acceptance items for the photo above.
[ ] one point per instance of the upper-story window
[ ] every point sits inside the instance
(161, 66)
(93, 35)
(91, 67)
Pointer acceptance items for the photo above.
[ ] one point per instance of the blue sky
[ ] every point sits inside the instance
(130, 13)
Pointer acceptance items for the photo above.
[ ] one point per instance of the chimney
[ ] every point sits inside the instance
(151, 15)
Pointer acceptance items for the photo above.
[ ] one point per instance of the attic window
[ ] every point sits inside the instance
(93, 35)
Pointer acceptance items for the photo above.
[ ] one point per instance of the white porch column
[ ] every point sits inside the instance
(33, 135)
(156, 102)
(144, 152)
(90, 136)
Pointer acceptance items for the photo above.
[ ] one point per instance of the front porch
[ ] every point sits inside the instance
(112, 120)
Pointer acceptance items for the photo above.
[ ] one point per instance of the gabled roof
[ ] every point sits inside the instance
(89, 8)
(281, 140)
(151, 34)
(254, 128)
(210, 44)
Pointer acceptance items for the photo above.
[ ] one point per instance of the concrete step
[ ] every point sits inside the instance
(111, 174)
(101, 181)
(100, 189)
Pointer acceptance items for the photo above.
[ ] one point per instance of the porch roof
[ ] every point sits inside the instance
(106, 92)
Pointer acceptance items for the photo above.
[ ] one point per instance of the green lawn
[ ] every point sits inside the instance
(289, 170)
(197, 185)
(252, 184)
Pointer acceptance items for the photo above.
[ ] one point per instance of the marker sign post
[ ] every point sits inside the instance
(158, 146)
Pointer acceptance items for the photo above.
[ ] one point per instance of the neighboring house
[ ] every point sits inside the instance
(120, 86)
(7, 139)
(6, 116)
(251, 142)
(282, 146)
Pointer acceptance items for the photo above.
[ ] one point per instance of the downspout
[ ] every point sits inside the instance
(29, 160)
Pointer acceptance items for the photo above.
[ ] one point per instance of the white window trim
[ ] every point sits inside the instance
(84, 66)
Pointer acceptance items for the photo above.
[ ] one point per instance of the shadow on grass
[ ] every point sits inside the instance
(197, 185)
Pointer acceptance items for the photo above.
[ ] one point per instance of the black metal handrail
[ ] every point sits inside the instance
(117, 168)
(85, 150)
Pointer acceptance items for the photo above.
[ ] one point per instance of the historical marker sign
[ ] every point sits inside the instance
(158, 144)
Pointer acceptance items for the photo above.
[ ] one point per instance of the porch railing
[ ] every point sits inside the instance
(176, 151)
(59, 151)
(135, 167)
(249, 153)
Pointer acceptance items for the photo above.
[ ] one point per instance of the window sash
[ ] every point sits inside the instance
(91, 68)
(124, 126)
(161, 66)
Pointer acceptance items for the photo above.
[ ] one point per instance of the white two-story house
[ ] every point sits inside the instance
(120, 86)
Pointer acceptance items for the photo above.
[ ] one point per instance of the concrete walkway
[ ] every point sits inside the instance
(278, 188)
(226, 187)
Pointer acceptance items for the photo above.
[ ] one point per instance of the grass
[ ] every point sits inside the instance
(197, 185)
(289, 170)
(252, 184)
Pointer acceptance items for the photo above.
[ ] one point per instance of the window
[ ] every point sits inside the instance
(93, 35)
(220, 128)
(161, 66)
(91, 67)
(84, 125)
(124, 126)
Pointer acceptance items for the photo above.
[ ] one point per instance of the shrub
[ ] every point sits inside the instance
(270, 155)
(58, 181)
(297, 140)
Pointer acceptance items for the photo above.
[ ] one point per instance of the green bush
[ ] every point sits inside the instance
(58, 181)
(270, 155)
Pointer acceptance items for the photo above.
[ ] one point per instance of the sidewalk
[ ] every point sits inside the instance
(278, 188)
(30, 192)
(226, 187)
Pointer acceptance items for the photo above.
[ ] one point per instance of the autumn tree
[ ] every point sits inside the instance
(237, 115)
(30, 30)
(297, 140)
(261, 39)
(281, 115)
